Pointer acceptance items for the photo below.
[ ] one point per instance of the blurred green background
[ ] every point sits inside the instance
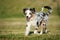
(14, 8)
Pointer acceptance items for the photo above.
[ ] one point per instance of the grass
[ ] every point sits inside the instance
(14, 29)
(19, 37)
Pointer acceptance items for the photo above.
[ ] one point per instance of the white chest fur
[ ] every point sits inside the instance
(33, 21)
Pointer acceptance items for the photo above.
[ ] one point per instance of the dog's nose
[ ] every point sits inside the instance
(26, 16)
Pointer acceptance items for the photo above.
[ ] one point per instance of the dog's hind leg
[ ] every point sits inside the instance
(43, 27)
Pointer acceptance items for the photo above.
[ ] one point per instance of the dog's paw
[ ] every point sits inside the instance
(36, 33)
(41, 33)
(46, 31)
(26, 35)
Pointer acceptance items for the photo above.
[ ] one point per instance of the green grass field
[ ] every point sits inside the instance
(13, 23)
(14, 29)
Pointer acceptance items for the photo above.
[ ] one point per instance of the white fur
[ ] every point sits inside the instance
(27, 28)
(42, 8)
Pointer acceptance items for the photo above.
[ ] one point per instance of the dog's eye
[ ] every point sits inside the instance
(30, 13)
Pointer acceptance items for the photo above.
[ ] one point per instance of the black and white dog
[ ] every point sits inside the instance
(36, 19)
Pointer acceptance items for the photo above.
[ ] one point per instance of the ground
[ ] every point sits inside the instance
(14, 29)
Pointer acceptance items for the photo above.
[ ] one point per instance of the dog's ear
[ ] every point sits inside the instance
(24, 10)
(32, 9)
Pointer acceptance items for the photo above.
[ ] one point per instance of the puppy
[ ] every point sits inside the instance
(36, 19)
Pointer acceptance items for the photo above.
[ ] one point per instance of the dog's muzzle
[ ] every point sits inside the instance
(27, 18)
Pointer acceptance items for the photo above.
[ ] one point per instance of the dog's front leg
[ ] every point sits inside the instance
(27, 29)
(36, 30)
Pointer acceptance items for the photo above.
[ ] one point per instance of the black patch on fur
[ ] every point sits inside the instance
(47, 14)
(32, 9)
(24, 10)
(48, 7)
(44, 24)
(40, 22)
(37, 24)
(44, 14)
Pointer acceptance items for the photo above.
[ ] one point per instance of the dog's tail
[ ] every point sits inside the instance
(47, 7)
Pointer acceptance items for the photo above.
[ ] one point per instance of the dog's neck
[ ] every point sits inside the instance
(34, 18)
